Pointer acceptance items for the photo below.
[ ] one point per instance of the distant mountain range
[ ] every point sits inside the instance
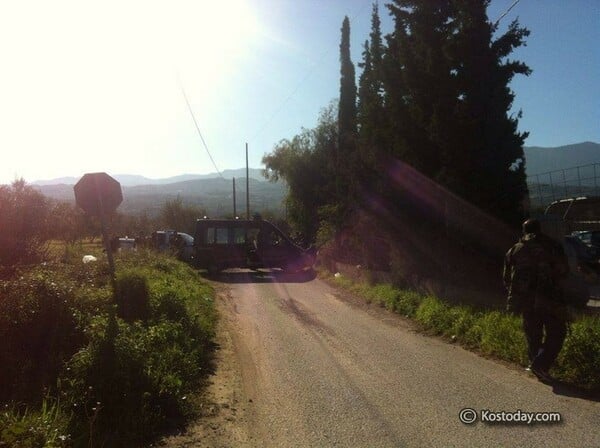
(214, 194)
(540, 160)
(131, 180)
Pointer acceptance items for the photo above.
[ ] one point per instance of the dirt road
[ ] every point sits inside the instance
(302, 365)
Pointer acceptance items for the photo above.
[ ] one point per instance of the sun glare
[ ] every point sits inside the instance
(82, 79)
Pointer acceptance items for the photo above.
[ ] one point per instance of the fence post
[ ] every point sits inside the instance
(540, 191)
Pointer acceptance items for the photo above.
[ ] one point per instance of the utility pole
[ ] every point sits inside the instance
(247, 187)
(234, 205)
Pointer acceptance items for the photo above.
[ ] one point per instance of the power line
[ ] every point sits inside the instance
(197, 127)
(506, 12)
(304, 78)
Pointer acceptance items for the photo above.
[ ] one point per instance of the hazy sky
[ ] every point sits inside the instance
(93, 86)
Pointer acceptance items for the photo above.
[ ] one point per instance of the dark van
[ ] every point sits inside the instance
(235, 243)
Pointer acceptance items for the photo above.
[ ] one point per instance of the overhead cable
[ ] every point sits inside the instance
(506, 12)
(197, 127)
(304, 78)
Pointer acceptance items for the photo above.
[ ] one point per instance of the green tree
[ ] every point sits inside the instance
(447, 93)
(346, 157)
(371, 116)
(304, 163)
(488, 165)
(425, 96)
(67, 222)
(23, 225)
(174, 214)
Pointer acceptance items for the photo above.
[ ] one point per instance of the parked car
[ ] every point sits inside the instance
(233, 243)
(182, 244)
(580, 255)
(591, 238)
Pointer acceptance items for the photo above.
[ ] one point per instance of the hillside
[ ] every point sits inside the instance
(131, 180)
(214, 195)
(541, 160)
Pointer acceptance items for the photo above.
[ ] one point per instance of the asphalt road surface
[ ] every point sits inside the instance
(316, 368)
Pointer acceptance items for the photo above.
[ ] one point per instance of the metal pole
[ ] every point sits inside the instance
(595, 180)
(247, 187)
(565, 184)
(541, 199)
(234, 205)
(105, 240)
(551, 186)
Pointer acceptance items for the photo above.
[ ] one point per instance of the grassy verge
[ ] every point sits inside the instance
(491, 332)
(82, 368)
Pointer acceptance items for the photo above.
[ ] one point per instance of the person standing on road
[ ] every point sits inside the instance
(533, 268)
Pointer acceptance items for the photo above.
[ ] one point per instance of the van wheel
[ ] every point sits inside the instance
(213, 269)
(291, 269)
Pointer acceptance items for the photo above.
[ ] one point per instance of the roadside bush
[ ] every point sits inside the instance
(408, 303)
(502, 335)
(385, 294)
(579, 360)
(463, 320)
(492, 332)
(121, 379)
(40, 313)
(132, 296)
(132, 381)
(433, 314)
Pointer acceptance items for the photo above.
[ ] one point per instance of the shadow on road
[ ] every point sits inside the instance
(568, 390)
(261, 276)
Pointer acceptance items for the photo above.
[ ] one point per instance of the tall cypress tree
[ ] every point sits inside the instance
(420, 82)
(346, 156)
(447, 90)
(347, 105)
(370, 113)
(488, 163)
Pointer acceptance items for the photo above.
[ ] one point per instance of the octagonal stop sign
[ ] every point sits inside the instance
(98, 194)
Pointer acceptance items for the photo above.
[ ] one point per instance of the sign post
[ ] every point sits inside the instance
(98, 194)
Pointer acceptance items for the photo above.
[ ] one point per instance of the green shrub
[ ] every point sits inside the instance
(502, 336)
(135, 379)
(579, 360)
(132, 296)
(122, 380)
(434, 315)
(463, 319)
(39, 330)
(384, 294)
(408, 303)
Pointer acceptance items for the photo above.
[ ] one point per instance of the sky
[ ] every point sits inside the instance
(89, 86)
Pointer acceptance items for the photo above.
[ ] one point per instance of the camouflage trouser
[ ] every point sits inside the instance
(545, 332)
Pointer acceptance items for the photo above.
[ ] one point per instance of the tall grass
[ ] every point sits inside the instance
(45, 426)
(493, 333)
(124, 369)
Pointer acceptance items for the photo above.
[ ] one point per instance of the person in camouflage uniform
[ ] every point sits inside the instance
(533, 269)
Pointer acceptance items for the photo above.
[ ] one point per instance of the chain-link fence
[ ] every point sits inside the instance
(545, 188)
